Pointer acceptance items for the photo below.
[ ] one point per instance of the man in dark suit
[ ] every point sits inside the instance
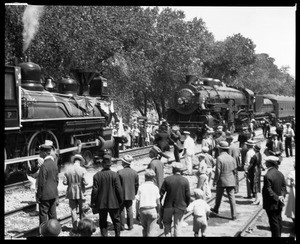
(130, 184)
(162, 139)
(47, 191)
(177, 198)
(107, 196)
(273, 194)
(225, 178)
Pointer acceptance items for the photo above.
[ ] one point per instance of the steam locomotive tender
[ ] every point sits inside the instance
(207, 101)
(70, 112)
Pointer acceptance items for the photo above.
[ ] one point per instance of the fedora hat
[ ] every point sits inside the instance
(223, 145)
(250, 142)
(205, 149)
(50, 227)
(106, 160)
(77, 156)
(272, 159)
(257, 147)
(47, 145)
(127, 159)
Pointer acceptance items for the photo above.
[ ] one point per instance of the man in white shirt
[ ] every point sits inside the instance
(250, 153)
(288, 134)
(188, 152)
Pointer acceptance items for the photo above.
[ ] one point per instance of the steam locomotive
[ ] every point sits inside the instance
(206, 101)
(71, 112)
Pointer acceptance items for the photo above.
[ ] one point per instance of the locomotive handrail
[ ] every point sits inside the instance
(60, 151)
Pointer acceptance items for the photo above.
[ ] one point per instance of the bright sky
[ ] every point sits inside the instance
(272, 29)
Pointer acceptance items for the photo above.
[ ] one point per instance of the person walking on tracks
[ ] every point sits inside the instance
(107, 196)
(176, 190)
(250, 153)
(225, 179)
(74, 178)
(148, 203)
(47, 191)
(130, 184)
(200, 210)
(273, 193)
(234, 151)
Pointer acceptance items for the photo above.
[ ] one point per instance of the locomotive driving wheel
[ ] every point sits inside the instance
(37, 139)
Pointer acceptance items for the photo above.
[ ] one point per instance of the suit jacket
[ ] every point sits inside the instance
(74, 179)
(107, 191)
(177, 189)
(129, 182)
(158, 168)
(225, 167)
(48, 180)
(274, 186)
(162, 140)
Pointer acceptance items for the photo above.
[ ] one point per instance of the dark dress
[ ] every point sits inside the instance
(254, 173)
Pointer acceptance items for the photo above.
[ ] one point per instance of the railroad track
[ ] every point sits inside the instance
(66, 219)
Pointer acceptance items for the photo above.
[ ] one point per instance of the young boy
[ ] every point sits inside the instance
(201, 211)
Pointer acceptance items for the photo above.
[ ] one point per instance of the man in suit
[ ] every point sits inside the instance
(176, 190)
(235, 152)
(225, 179)
(275, 147)
(107, 196)
(273, 193)
(74, 178)
(130, 184)
(288, 134)
(162, 139)
(47, 191)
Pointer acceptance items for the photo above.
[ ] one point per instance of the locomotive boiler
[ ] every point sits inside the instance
(74, 111)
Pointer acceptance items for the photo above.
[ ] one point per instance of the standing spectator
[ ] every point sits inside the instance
(202, 176)
(273, 193)
(220, 136)
(279, 130)
(135, 135)
(290, 206)
(107, 196)
(175, 136)
(242, 138)
(200, 210)
(211, 163)
(267, 129)
(127, 134)
(234, 151)
(86, 227)
(275, 147)
(148, 204)
(47, 191)
(177, 198)
(130, 184)
(250, 153)
(254, 173)
(157, 165)
(251, 128)
(188, 152)
(162, 138)
(225, 179)
(50, 228)
(288, 134)
(148, 139)
(143, 134)
(74, 178)
(209, 141)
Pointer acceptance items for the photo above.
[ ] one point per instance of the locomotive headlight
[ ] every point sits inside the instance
(180, 101)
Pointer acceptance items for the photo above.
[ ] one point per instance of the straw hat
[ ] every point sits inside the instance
(127, 159)
(223, 145)
(47, 145)
(186, 132)
(77, 156)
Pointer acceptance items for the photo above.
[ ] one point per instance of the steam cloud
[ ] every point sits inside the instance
(30, 20)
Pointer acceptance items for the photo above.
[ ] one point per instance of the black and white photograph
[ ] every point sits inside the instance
(149, 121)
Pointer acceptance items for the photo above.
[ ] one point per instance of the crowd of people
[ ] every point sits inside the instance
(164, 200)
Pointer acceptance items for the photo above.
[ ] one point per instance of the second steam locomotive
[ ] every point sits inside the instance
(206, 101)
